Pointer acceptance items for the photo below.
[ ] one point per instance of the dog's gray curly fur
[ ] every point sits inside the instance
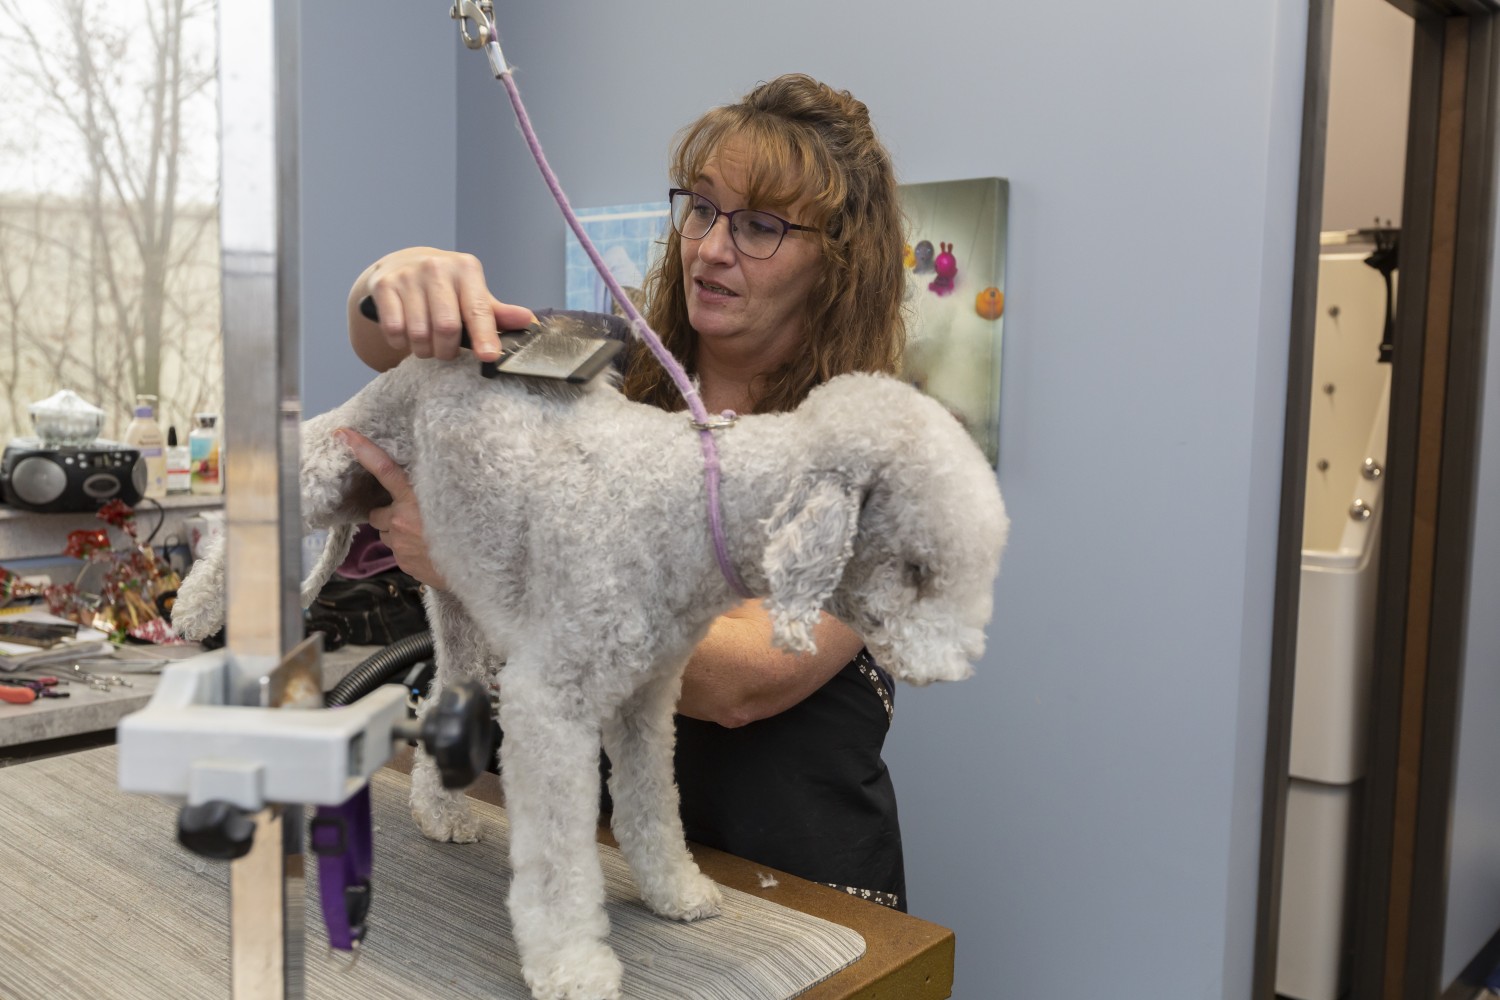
(572, 530)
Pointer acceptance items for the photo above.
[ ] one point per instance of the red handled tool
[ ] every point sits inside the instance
(16, 695)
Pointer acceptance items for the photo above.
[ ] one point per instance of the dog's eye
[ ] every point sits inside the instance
(915, 575)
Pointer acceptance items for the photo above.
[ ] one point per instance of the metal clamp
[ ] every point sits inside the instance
(482, 13)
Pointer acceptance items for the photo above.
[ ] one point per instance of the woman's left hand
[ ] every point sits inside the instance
(400, 523)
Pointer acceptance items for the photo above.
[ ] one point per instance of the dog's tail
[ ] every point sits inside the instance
(335, 551)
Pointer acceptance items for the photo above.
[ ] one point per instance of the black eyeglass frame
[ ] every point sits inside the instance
(786, 226)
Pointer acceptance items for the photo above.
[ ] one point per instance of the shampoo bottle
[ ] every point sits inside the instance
(144, 435)
(203, 454)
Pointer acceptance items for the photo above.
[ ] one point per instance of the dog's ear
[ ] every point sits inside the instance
(810, 538)
(198, 610)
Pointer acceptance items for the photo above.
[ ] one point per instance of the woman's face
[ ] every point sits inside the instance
(740, 304)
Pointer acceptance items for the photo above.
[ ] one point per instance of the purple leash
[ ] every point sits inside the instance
(701, 420)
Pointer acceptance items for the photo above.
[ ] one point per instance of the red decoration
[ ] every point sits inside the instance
(117, 514)
(86, 542)
(132, 577)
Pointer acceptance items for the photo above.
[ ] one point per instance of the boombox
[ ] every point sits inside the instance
(34, 476)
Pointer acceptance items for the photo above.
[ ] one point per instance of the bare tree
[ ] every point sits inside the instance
(125, 92)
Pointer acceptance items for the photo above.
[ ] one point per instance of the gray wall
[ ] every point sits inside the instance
(378, 134)
(1369, 88)
(1084, 812)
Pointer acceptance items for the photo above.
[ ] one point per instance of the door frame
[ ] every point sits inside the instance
(1400, 869)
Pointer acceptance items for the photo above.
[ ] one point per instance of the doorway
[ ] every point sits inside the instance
(1394, 934)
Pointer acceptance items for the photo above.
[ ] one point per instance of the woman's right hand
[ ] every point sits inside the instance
(399, 522)
(425, 297)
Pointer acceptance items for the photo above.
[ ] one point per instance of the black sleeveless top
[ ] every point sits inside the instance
(805, 791)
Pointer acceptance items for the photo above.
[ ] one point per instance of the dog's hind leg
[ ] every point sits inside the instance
(461, 651)
(550, 772)
(647, 821)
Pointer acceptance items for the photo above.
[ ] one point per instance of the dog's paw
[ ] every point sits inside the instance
(689, 896)
(197, 612)
(588, 971)
(446, 822)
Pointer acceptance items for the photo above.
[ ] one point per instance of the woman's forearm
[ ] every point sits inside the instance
(736, 677)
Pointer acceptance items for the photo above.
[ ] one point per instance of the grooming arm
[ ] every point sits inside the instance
(191, 743)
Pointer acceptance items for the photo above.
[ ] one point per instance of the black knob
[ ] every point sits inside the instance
(216, 830)
(457, 733)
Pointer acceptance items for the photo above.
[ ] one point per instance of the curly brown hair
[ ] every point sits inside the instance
(803, 139)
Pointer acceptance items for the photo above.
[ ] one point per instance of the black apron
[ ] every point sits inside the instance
(805, 791)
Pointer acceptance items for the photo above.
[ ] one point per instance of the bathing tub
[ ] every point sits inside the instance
(1335, 628)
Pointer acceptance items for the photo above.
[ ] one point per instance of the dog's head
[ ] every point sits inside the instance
(901, 539)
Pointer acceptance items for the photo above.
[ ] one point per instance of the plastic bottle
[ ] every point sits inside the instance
(203, 454)
(144, 435)
(179, 476)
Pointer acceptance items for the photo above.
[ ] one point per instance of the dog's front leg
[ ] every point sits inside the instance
(647, 820)
(461, 653)
(550, 772)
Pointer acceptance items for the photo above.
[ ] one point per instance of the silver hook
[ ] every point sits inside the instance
(482, 13)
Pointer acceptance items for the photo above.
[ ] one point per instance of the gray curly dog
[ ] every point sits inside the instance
(571, 526)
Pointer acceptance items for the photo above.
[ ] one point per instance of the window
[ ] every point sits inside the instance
(109, 243)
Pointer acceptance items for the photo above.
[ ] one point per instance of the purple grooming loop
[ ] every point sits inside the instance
(341, 838)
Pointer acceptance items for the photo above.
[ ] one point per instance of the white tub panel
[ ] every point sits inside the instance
(1335, 658)
(1311, 958)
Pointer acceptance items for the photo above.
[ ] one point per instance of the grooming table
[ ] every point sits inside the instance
(99, 901)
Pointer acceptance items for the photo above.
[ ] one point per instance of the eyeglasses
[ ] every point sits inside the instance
(755, 234)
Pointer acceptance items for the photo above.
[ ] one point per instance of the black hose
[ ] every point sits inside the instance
(383, 667)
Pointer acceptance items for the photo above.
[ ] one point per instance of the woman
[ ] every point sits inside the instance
(782, 270)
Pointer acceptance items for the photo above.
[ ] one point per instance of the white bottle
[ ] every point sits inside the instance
(179, 478)
(203, 454)
(144, 435)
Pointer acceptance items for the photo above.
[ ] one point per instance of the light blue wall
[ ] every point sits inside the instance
(1474, 857)
(1084, 812)
(378, 135)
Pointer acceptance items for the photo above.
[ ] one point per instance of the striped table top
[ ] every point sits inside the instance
(99, 902)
